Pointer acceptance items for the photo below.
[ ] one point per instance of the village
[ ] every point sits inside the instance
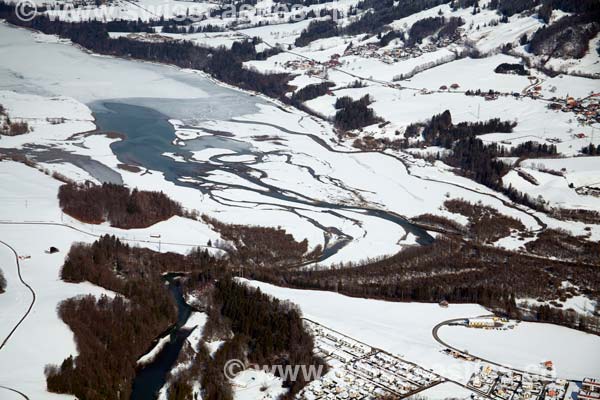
(510, 385)
(391, 55)
(361, 371)
(515, 386)
(387, 55)
(587, 109)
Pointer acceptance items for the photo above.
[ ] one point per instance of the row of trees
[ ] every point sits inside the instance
(122, 207)
(310, 92)
(591, 150)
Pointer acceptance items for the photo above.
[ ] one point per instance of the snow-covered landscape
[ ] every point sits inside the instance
(418, 188)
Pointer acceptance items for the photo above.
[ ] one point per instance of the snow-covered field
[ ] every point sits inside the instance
(573, 353)
(252, 384)
(371, 180)
(29, 196)
(42, 338)
(300, 177)
(403, 329)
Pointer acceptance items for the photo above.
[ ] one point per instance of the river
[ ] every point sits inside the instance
(152, 377)
(148, 135)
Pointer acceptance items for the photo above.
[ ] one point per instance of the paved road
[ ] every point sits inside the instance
(23, 395)
(33, 296)
(97, 235)
(436, 328)
(25, 315)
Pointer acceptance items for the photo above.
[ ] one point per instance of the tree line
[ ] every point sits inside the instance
(591, 150)
(458, 271)
(441, 131)
(445, 27)
(472, 157)
(509, 8)
(385, 12)
(311, 91)
(319, 29)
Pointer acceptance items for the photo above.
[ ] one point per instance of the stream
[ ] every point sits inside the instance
(151, 377)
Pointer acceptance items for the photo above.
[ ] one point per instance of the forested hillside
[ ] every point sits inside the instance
(122, 207)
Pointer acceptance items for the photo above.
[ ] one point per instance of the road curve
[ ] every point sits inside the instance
(23, 395)
(33, 296)
(14, 329)
(436, 328)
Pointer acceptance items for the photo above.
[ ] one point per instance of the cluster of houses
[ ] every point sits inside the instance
(587, 110)
(588, 191)
(510, 385)
(341, 385)
(361, 372)
(394, 54)
(393, 374)
(387, 55)
(311, 67)
(590, 389)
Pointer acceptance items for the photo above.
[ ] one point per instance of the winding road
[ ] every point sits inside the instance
(23, 395)
(435, 333)
(25, 315)
(29, 288)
